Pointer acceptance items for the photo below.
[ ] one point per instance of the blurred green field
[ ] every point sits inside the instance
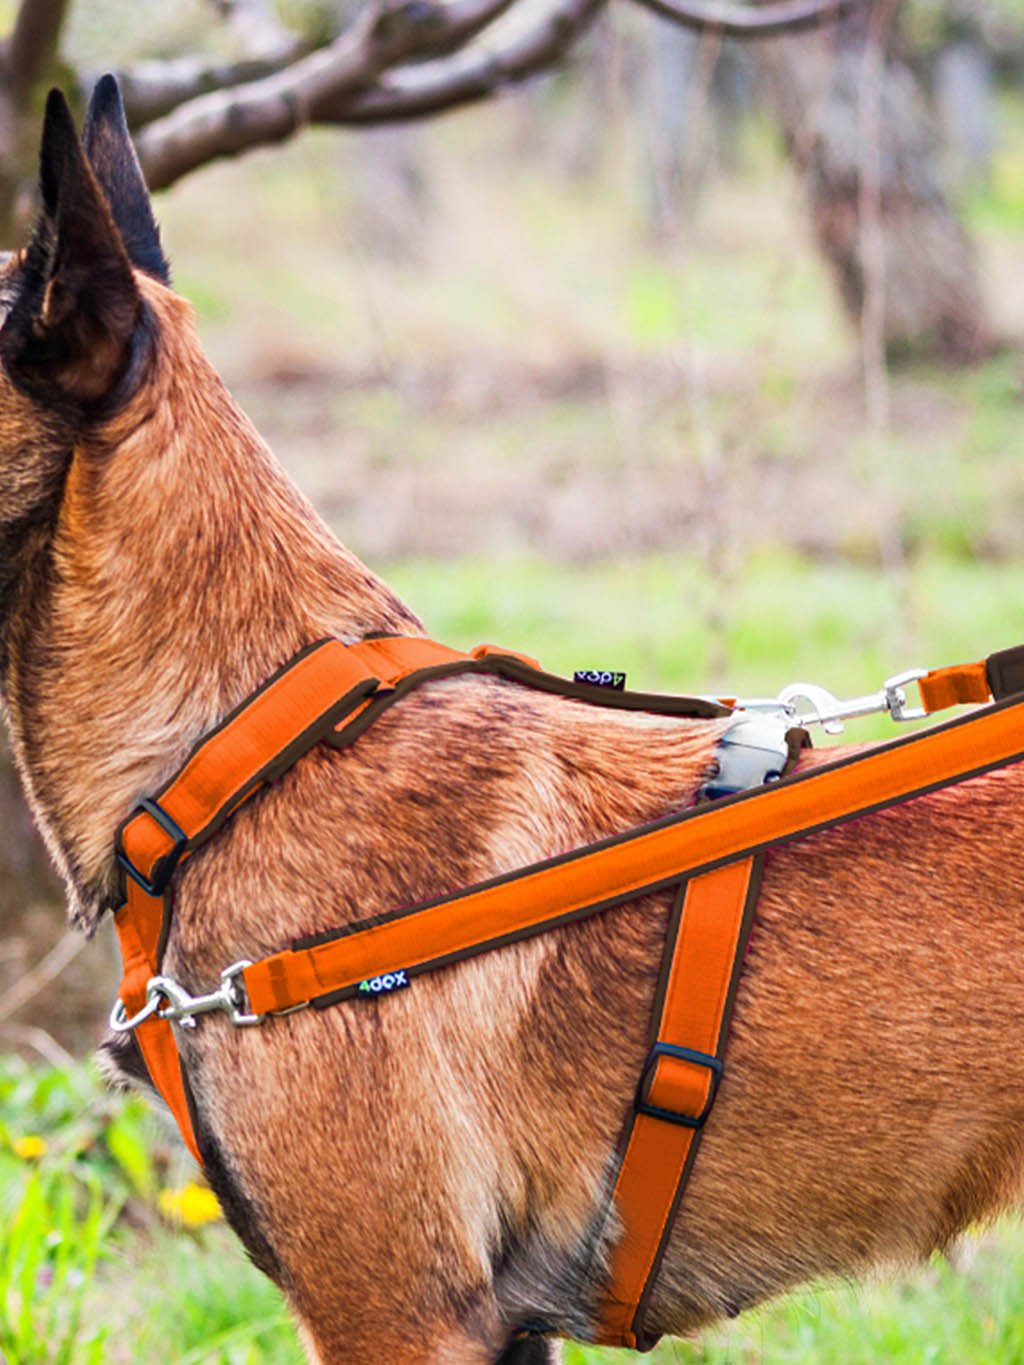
(842, 624)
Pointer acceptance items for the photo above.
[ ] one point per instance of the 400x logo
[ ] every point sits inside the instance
(384, 985)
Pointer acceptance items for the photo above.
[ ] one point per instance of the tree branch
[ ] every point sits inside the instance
(152, 89)
(746, 21)
(32, 46)
(224, 123)
(413, 92)
(400, 59)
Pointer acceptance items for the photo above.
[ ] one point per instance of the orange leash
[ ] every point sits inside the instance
(330, 693)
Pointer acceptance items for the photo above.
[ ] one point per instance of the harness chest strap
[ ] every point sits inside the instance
(256, 744)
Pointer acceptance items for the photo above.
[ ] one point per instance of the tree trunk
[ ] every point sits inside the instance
(26, 875)
(965, 79)
(933, 304)
(65, 1007)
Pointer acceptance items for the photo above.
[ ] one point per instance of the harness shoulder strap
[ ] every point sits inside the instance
(330, 692)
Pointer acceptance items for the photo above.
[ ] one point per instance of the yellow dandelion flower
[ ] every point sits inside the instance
(192, 1204)
(30, 1147)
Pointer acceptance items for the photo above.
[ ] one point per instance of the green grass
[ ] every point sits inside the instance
(969, 1316)
(782, 617)
(88, 1275)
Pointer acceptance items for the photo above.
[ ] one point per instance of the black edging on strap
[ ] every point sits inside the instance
(505, 666)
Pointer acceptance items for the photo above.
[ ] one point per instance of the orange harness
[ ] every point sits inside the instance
(711, 854)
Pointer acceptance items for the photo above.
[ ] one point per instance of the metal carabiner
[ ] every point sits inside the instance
(831, 713)
(181, 1007)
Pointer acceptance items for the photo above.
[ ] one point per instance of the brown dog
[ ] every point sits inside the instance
(421, 1176)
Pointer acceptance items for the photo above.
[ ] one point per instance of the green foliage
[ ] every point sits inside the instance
(842, 624)
(89, 1134)
(214, 1305)
(53, 1239)
(80, 1286)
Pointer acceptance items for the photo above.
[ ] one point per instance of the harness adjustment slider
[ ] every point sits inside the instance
(159, 880)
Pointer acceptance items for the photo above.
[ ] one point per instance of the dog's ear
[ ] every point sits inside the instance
(70, 326)
(108, 145)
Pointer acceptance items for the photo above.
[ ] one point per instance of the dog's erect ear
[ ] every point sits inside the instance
(108, 145)
(69, 329)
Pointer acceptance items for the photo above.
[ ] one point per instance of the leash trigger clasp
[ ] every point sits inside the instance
(831, 713)
(181, 1007)
(229, 998)
(233, 982)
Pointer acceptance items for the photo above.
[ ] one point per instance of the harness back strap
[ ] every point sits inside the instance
(704, 954)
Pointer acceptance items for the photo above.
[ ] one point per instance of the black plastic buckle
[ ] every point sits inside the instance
(165, 866)
(685, 1054)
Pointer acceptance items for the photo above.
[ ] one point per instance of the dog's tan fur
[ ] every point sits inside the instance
(424, 1174)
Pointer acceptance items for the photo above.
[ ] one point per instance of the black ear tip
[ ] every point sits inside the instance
(106, 98)
(58, 148)
(58, 111)
(105, 113)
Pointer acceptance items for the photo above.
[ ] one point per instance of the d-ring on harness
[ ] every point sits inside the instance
(710, 854)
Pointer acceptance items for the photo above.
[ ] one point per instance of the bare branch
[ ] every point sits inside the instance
(32, 46)
(225, 123)
(746, 21)
(401, 59)
(414, 92)
(43, 1043)
(152, 89)
(60, 956)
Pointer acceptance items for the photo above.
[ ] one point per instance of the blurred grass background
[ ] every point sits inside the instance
(551, 429)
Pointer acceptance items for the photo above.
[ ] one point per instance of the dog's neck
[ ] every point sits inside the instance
(185, 567)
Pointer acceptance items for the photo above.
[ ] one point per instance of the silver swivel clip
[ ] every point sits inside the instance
(168, 1000)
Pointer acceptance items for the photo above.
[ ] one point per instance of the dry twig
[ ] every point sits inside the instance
(60, 956)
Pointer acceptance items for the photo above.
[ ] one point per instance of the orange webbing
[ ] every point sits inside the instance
(658, 1153)
(299, 704)
(299, 699)
(139, 926)
(654, 855)
(956, 686)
